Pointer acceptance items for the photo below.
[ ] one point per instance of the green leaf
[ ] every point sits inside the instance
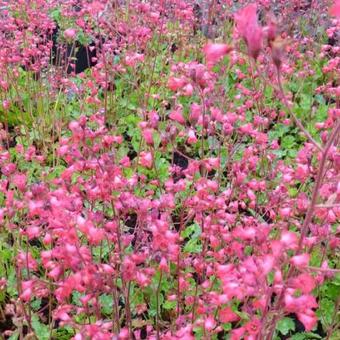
(192, 230)
(106, 302)
(242, 315)
(153, 303)
(288, 142)
(332, 291)
(14, 336)
(285, 325)
(326, 311)
(56, 14)
(76, 298)
(192, 246)
(36, 304)
(63, 333)
(226, 326)
(304, 336)
(42, 331)
(335, 336)
(169, 304)
(11, 282)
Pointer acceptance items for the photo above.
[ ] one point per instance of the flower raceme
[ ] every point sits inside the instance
(70, 33)
(335, 9)
(249, 29)
(215, 52)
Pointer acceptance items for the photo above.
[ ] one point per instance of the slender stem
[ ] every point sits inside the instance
(325, 270)
(308, 218)
(317, 185)
(203, 127)
(157, 305)
(178, 270)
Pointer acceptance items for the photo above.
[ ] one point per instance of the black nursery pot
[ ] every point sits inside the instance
(81, 56)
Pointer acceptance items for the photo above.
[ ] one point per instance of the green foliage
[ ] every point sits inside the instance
(192, 233)
(63, 333)
(328, 295)
(106, 303)
(305, 336)
(285, 325)
(42, 331)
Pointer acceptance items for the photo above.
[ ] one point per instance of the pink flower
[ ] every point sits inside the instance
(227, 315)
(300, 260)
(3, 283)
(335, 9)
(309, 319)
(146, 159)
(176, 84)
(27, 290)
(249, 29)
(188, 90)
(148, 136)
(305, 282)
(134, 58)
(285, 212)
(70, 33)
(191, 137)
(20, 181)
(177, 116)
(215, 52)
(209, 323)
(195, 112)
(253, 327)
(289, 239)
(237, 333)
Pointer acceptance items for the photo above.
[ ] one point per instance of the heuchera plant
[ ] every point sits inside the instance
(184, 187)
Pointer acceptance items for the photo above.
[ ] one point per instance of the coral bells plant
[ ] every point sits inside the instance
(184, 184)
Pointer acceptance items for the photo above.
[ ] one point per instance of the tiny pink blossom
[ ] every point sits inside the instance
(227, 315)
(289, 239)
(192, 139)
(249, 29)
(146, 159)
(70, 33)
(209, 323)
(309, 320)
(176, 84)
(177, 116)
(300, 260)
(148, 136)
(335, 9)
(215, 52)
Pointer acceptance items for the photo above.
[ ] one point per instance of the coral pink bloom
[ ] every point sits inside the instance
(209, 323)
(227, 315)
(70, 33)
(214, 52)
(305, 282)
(177, 116)
(148, 136)
(309, 320)
(300, 260)
(146, 159)
(253, 327)
(249, 29)
(191, 137)
(176, 84)
(335, 9)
